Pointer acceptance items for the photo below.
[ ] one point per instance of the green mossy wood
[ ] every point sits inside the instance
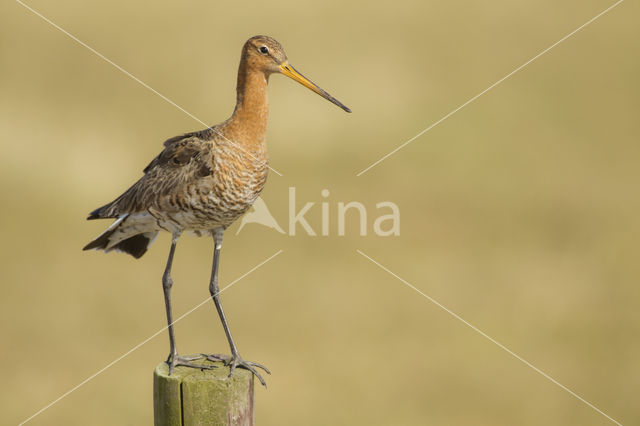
(202, 397)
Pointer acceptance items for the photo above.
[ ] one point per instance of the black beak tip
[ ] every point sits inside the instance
(340, 105)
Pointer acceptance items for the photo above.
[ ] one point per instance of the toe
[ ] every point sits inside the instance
(255, 364)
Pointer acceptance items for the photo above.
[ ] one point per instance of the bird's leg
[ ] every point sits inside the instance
(235, 360)
(174, 359)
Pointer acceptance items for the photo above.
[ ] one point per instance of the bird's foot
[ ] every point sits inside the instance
(236, 361)
(176, 360)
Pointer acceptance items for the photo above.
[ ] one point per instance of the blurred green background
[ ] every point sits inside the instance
(520, 212)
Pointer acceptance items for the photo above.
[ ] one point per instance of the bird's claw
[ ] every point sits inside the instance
(186, 361)
(236, 361)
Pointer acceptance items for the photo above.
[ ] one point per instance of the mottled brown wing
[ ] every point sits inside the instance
(184, 161)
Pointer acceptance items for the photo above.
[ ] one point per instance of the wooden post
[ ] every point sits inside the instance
(202, 397)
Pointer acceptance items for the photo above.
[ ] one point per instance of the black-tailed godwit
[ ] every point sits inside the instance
(202, 182)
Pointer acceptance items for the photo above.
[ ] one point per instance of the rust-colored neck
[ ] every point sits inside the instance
(248, 124)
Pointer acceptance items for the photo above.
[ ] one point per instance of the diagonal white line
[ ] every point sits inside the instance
(491, 339)
(124, 71)
(488, 88)
(102, 370)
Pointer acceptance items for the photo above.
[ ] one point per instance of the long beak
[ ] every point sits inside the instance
(292, 73)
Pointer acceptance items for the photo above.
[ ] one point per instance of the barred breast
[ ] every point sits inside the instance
(216, 201)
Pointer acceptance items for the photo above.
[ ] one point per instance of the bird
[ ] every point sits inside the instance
(200, 183)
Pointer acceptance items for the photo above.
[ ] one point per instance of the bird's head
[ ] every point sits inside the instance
(267, 55)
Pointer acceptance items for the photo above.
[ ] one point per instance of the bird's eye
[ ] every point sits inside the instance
(264, 50)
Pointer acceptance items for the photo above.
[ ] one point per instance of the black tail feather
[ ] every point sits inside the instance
(136, 246)
(101, 242)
